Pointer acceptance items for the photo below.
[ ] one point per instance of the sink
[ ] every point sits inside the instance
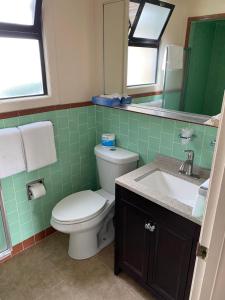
(162, 184)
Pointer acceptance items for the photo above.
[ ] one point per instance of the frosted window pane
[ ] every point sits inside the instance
(142, 63)
(133, 8)
(151, 22)
(17, 11)
(20, 71)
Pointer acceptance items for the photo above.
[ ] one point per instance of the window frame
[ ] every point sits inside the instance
(152, 42)
(157, 62)
(147, 43)
(34, 32)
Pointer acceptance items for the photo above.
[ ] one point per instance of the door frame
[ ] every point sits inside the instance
(213, 227)
(200, 18)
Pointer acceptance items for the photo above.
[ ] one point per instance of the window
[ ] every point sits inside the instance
(140, 61)
(22, 71)
(148, 20)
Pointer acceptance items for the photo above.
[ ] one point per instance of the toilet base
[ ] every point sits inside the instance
(84, 245)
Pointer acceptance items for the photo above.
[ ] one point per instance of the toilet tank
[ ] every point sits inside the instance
(113, 163)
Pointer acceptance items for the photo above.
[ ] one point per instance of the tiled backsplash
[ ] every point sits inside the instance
(151, 135)
(75, 131)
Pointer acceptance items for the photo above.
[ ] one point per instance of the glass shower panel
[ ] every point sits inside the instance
(174, 77)
(3, 242)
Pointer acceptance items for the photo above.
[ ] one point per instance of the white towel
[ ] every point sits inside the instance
(39, 144)
(11, 152)
(199, 206)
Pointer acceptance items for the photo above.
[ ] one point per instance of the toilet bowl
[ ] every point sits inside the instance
(84, 226)
(87, 216)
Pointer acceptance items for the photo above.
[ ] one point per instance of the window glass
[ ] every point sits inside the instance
(151, 22)
(20, 71)
(142, 65)
(133, 8)
(17, 11)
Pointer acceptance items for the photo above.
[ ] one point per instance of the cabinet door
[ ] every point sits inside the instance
(169, 263)
(134, 240)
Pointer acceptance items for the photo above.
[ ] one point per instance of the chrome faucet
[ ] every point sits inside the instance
(186, 167)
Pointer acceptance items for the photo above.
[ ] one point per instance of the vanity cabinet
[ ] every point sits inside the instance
(154, 246)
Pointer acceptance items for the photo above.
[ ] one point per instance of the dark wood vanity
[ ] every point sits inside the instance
(155, 246)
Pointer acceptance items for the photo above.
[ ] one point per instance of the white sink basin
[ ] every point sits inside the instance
(163, 184)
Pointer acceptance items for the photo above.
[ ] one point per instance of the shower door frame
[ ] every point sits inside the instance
(8, 251)
(200, 18)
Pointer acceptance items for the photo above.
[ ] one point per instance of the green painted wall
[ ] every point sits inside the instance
(75, 132)
(206, 73)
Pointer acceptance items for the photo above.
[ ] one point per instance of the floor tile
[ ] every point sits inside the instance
(46, 272)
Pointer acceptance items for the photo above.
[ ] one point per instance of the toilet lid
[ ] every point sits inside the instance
(79, 207)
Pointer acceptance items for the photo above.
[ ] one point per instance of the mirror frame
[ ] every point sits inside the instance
(173, 114)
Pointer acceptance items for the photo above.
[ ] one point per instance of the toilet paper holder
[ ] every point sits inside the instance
(28, 185)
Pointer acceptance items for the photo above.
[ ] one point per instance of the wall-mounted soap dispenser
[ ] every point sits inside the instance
(186, 135)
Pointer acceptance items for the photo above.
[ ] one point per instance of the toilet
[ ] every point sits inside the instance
(87, 216)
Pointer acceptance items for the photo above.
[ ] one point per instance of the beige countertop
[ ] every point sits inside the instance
(171, 166)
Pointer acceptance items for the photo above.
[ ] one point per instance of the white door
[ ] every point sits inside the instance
(209, 277)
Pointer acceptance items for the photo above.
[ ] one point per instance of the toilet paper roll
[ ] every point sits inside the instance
(108, 140)
(37, 190)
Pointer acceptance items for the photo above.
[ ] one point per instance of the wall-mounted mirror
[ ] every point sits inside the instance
(171, 61)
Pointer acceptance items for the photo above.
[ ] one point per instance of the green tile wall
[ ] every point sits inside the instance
(149, 135)
(141, 100)
(172, 99)
(75, 132)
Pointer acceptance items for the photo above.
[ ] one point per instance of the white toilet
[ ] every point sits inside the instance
(88, 216)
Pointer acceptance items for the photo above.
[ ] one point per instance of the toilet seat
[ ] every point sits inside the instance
(79, 207)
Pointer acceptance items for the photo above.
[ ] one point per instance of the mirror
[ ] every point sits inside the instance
(172, 63)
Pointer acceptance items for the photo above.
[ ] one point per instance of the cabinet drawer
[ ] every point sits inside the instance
(162, 215)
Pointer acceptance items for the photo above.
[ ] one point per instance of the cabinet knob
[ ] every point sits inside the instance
(150, 227)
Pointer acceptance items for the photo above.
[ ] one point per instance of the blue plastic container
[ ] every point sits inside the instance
(108, 140)
(106, 101)
(111, 102)
(126, 100)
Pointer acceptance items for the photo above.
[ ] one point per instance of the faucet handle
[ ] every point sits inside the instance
(190, 154)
